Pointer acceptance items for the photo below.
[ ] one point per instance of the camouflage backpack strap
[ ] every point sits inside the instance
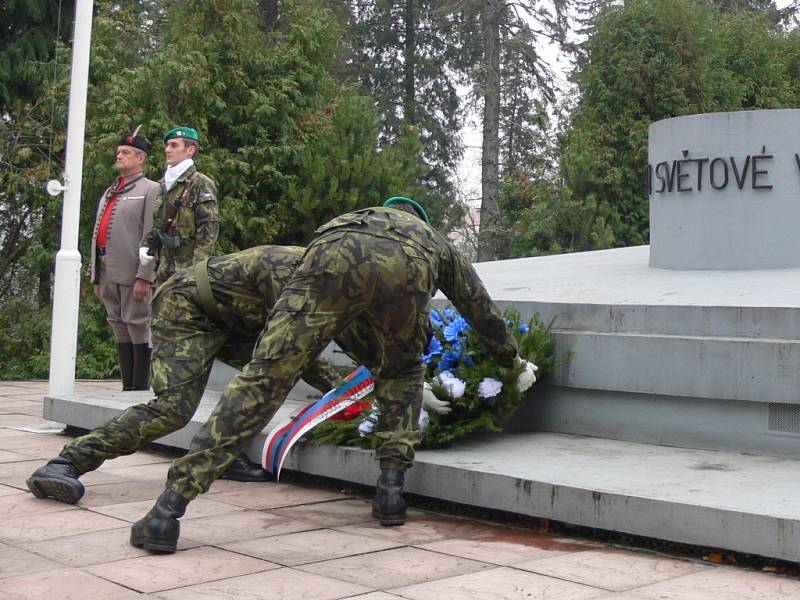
(207, 300)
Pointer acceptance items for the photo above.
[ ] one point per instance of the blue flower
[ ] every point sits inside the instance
(468, 360)
(449, 361)
(436, 320)
(524, 328)
(455, 329)
(449, 314)
(434, 348)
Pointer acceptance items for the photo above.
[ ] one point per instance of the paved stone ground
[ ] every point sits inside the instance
(289, 541)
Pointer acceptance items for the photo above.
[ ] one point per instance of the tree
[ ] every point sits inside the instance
(513, 86)
(648, 60)
(402, 54)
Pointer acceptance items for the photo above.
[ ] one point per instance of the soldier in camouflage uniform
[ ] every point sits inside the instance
(193, 231)
(218, 308)
(366, 280)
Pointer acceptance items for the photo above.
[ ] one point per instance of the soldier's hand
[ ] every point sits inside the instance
(145, 259)
(431, 403)
(141, 289)
(528, 376)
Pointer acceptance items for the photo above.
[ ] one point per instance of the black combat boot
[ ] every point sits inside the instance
(243, 469)
(388, 506)
(125, 357)
(58, 479)
(158, 531)
(141, 367)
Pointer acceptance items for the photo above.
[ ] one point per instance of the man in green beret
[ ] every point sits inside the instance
(185, 214)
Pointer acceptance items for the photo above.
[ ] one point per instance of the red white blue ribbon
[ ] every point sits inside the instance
(280, 440)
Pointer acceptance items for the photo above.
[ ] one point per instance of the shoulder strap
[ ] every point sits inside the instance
(207, 300)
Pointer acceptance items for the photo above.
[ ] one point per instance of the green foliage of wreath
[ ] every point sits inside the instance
(457, 349)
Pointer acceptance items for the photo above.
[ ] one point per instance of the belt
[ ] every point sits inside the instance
(101, 251)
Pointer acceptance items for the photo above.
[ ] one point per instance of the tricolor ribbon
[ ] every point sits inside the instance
(280, 440)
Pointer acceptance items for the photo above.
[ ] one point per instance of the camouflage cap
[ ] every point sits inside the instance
(182, 132)
(403, 200)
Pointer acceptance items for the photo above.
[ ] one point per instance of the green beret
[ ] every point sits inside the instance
(403, 200)
(182, 132)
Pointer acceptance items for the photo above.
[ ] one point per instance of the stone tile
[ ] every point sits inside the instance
(238, 526)
(8, 456)
(6, 490)
(12, 439)
(612, 569)
(117, 493)
(14, 561)
(46, 526)
(22, 504)
(274, 495)
(63, 584)
(723, 584)
(308, 546)
(280, 584)
(133, 511)
(619, 596)
(420, 528)
(373, 596)
(161, 572)
(20, 406)
(501, 583)
(154, 473)
(29, 421)
(137, 458)
(94, 548)
(508, 546)
(330, 514)
(394, 568)
(43, 453)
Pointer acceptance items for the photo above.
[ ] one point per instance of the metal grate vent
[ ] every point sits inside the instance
(784, 418)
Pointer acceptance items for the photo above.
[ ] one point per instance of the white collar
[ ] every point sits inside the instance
(173, 172)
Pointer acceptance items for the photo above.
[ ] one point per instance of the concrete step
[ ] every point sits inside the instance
(719, 499)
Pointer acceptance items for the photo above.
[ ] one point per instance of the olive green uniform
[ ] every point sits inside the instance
(196, 223)
(365, 281)
(244, 286)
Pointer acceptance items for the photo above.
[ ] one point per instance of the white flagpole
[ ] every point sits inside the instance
(64, 338)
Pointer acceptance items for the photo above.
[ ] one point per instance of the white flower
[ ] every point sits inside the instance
(365, 427)
(424, 418)
(489, 388)
(454, 386)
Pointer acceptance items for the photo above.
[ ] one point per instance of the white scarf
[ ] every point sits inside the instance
(173, 172)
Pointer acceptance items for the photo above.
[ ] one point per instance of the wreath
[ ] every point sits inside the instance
(481, 394)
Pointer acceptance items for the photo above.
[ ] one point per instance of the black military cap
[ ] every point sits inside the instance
(137, 141)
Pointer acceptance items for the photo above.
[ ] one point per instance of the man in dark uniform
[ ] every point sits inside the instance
(193, 231)
(366, 281)
(124, 214)
(217, 308)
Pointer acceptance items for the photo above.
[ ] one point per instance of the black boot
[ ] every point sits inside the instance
(243, 469)
(58, 479)
(141, 367)
(158, 531)
(125, 357)
(388, 506)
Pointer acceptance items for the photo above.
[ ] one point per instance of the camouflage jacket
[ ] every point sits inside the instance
(452, 273)
(196, 222)
(246, 285)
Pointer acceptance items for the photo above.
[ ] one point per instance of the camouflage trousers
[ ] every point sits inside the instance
(185, 343)
(371, 295)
